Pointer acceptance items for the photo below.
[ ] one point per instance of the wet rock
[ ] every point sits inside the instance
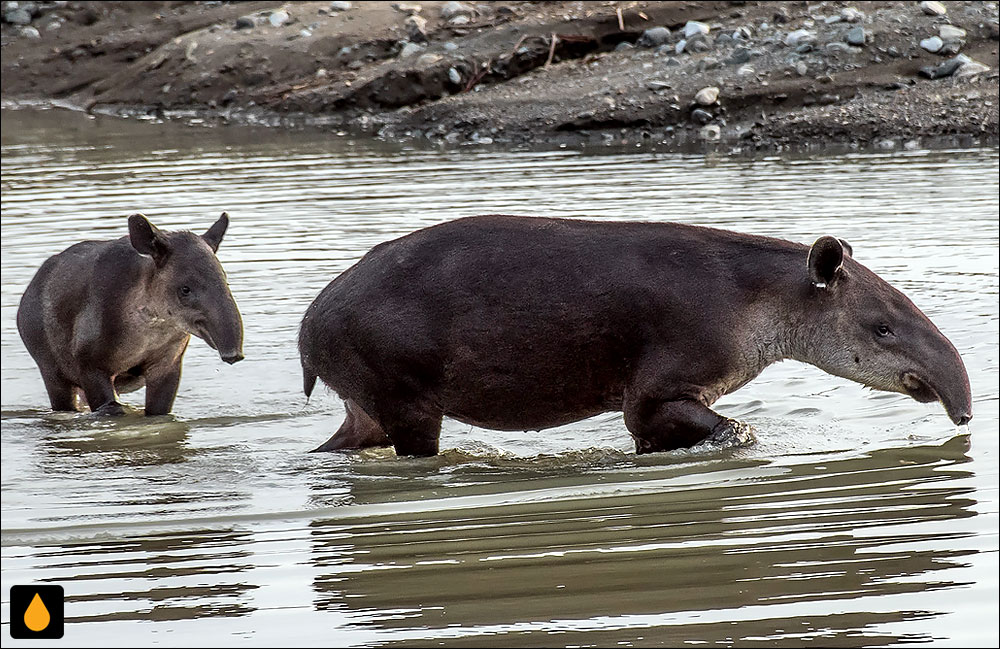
(707, 96)
(698, 43)
(278, 18)
(694, 27)
(950, 48)
(454, 76)
(340, 6)
(416, 29)
(799, 36)
(453, 9)
(851, 15)
(653, 37)
(932, 8)
(701, 116)
(951, 33)
(945, 69)
(739, 56)
(857, 36)
(710, 133)
(17, 16)
(932, 44)
(409, 49)
(244, 22)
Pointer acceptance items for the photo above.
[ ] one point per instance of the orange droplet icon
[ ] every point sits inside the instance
(36, 617)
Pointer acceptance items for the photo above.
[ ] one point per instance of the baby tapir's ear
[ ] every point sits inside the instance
(146, 238)
(825, 261)
(215, 233)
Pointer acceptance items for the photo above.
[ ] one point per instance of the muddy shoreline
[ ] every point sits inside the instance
(742, 76)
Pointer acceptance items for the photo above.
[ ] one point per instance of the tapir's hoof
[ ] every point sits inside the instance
(110, 409)
(732, 433)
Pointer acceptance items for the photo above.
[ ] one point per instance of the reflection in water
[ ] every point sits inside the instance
(763, 558)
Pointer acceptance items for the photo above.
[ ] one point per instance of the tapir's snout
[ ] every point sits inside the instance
(945, 380)
(233, 358)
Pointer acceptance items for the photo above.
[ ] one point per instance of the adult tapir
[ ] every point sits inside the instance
(517, 323)
(107, 317)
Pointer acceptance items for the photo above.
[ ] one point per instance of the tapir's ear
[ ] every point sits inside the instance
(146, 238)
(826, 258)
(214, 235)
(847, 247)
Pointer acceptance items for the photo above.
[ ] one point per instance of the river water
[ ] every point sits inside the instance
(858, 518)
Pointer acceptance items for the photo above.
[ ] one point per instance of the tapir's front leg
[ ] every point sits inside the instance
(664, 425)
(161, 387)
(100, 392)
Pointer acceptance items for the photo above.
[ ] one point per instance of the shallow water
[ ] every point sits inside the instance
(858, 518)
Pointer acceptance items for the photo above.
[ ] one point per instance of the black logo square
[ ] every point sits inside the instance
(36, 611)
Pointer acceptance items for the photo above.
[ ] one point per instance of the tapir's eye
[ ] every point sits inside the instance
(184, 291)
(883, 330)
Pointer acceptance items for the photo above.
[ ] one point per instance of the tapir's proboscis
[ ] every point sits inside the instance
(107, 317)
(524, 323)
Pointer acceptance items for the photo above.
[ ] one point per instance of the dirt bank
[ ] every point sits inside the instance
(748, 75)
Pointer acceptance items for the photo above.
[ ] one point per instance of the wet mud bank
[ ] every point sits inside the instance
(744, 75)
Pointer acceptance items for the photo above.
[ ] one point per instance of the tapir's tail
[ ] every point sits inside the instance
(308, 382)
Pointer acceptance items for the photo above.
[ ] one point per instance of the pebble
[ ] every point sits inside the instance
(857, 36)
(278, 18)
(450, 46)
(409, 49)
(799, 36)
(244, 22)
(701, 116)
(416, 29)
(951, 47)
(707, 96)
(656, 85)
(837, 46)
(851, 15)
(911, 145)
(428, 59)
(932, 8)
(746, 71)
(694, 27)
(802, 68)
(30, 32)
(743, 34)
(653, 37)
(739, 56)
(340, 6)
(406, 8)
(711, 132)
(624, 45)
(17, 17)
(932, 44)
(460, 20)
(886, 144)
(451, 9)
(945, 69)
(454, 76)
(951, 33)
(971, 67)
(681, 44)
(698, 43)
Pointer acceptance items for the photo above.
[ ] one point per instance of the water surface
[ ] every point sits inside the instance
(858, 519)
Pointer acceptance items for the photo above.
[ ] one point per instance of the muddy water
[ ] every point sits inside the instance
(858, 519)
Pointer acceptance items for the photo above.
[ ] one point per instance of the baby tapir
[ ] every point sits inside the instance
(107, 317)
(519, 323)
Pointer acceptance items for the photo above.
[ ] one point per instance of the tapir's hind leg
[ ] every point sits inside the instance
(358, 431)
(665, 425)
(62, 393)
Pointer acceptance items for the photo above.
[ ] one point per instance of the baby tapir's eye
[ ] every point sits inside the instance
(184, 291)
(883, 330)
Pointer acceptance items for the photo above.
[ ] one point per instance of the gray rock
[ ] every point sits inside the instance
(409, 49)
(711, 133)
(951, 33)
(428, 58)
(450, 46)
(244, 22)
(802, 68)
(851, 15)
(416, 29)
(837, 47)
(911, 145)
(945, 69)
(460, 20)
(857, 36)
(805, 48)
(657, 85)
(799, 36)
(278, 18)
(886, 144)
(932, 44)
(653, 37)
(739, 56)
(623, 46)
(681, 44)
(932, 8)
(707, 96)
(17, 17)
(30, 32)
(340, 6)
(698, 43)
(454, 76)
(451, 9)
(746, 70)
(950, 48)
(832, 20)
(970, 67)
(694, 27)
(701, 116)
(707, 63)
(743, 34)
(723, 39)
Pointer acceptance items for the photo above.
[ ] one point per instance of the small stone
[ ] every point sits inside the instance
(340, 6)
(698, 43)
(278, 18)
(971, 67)
(886, 144)
(322, 73)
(746, 71)
(707, 96)
(836, 47)
(945, 69)
(799, 36)
(805, 48)
(802, 68)
(932, 8)
(459, 20)
(932, 44)
(30, 32)
(656, 85)
(832, 20)
(857, 36)
(681, 44)
(407, 8)
(244, 22)
(416, 29)
(451, 9)
(851, 15)
(623, 46)
(450, 46)
(694, 27)
(653, 37)
(950, 48)
(911, 145)
(743, 34)
(739, 56)
(454, 76)
(711, 132)
(409, 49)
(428, 59)
(951, 33)
(17, 16)
(701, 116)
